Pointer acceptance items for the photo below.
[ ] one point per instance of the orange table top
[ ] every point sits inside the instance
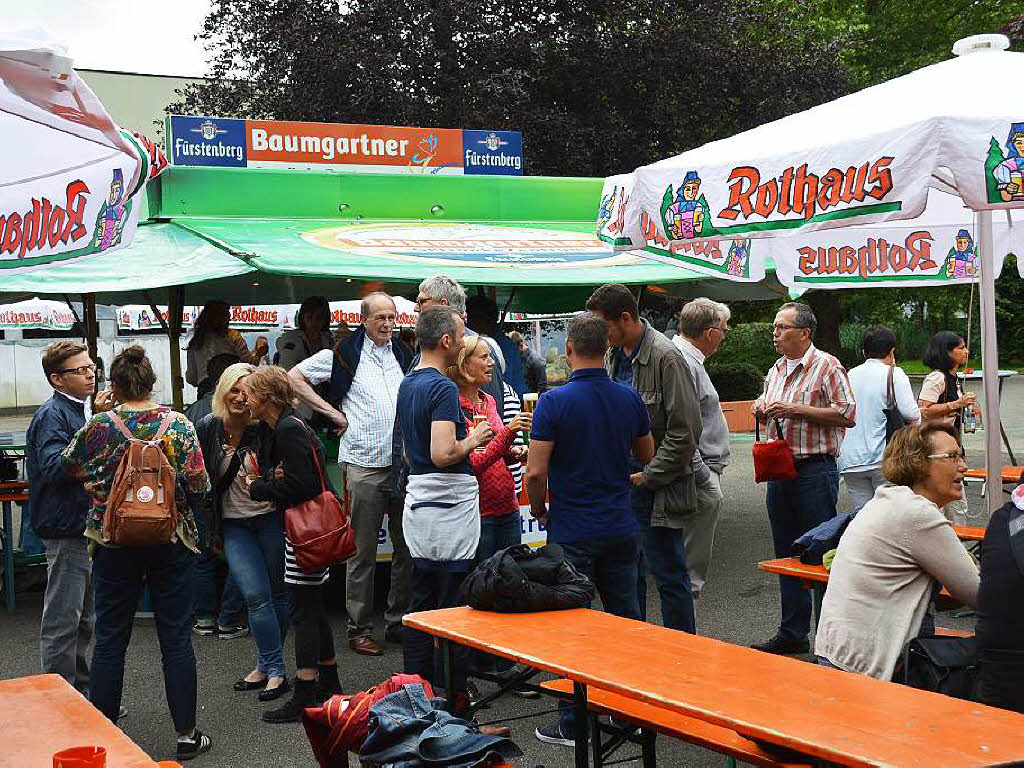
(42, 714)
(791, 566)
(849, 719)
(1009, 474)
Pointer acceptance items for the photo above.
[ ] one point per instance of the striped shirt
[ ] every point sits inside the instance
(818, 380)
(370, 404)
(513, 407)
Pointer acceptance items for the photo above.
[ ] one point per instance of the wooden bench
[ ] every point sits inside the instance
(688, 729)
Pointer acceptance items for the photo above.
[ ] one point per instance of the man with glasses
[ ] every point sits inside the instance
(808, 393)
(59, 508)
(703, 324)
(364, 374)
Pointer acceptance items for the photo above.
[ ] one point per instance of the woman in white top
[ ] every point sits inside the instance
(860, 460)
(895, 554)
(942, 395)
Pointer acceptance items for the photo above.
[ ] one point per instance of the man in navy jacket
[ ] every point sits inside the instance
(59, 509)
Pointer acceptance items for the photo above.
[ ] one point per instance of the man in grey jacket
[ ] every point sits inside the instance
(703, 324)
(664, 491)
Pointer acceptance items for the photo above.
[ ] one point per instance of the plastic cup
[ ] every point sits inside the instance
(530, 401)
(80, 757)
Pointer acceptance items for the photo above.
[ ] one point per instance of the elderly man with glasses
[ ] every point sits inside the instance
(807, 395)
(703, 324)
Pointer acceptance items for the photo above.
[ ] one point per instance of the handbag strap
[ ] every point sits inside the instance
(316, 454)
(891, 389)
(757, 429)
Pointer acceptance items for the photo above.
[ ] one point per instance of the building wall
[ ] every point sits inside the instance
(136, 102)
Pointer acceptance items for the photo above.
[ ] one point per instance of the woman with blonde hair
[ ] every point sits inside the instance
(290, 475)
(235, 449)
(895, 555)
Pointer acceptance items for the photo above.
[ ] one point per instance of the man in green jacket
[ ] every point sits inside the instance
(665, 490)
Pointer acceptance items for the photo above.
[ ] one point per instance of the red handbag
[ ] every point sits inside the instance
(773, 459)
(319, 528)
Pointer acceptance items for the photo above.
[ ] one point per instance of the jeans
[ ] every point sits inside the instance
(204, 588)
(68, 611)
(369, 501)
(496, 534)
(664, 552)
(314, 638)
(254, 548)
(118, 575)
(435, 584)
(612, 565)
(794, 507)
(862, 485)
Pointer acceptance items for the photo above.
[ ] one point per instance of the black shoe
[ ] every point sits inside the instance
(327, 681)
(782, 646)
(273, 694)
(196, 745)
(248, 685)
(230, 633)
(304, 696)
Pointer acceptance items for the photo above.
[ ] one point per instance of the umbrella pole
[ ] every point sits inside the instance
(176, 300)
(990, 363)
(91, 327)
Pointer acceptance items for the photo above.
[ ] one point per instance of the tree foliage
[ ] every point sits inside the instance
(595, 87)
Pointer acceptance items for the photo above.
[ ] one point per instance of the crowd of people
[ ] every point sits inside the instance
(623, 466)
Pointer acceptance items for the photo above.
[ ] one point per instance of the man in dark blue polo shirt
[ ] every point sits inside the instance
(581, 441)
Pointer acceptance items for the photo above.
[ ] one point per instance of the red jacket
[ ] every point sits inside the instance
(497, 488)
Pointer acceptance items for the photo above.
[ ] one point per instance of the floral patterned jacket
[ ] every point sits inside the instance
(94, 452)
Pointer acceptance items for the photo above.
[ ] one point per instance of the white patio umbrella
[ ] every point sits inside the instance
(68, 175)
(36, 313)
(868, 158)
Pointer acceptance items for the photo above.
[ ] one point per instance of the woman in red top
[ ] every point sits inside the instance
(499, 508)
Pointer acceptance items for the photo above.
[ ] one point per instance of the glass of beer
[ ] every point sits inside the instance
(479, 417)
(530, 401)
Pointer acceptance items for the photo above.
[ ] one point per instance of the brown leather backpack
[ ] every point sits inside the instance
(141, 510)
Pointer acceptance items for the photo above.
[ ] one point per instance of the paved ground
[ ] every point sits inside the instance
(740, 605)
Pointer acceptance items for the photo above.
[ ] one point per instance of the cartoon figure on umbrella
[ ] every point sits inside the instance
(112, 216)
(736, 261)
(1010, 172)
(684, 218)
(961, 261)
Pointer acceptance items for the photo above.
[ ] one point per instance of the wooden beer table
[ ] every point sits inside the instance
(42, 714)
(844, 718)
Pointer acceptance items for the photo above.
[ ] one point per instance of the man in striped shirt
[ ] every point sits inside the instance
(808, 395)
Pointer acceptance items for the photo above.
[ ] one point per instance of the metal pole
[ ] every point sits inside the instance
(536, 338)
(91, 327)
(176, 300)
(990, 362)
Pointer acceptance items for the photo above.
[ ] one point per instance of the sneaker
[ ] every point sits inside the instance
(122, 713)
(552, 734)
(524, 693)
(230, 633)
(204, 626)
(189, 747)
(782, 646)
(472, 691)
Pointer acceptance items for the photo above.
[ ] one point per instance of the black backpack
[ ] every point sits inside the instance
(520, 580)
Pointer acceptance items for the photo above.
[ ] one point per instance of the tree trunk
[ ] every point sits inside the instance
(825, 305)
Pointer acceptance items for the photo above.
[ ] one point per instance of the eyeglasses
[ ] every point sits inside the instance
(718, 328)
(81, 370)
(953, 455)
(779, 327)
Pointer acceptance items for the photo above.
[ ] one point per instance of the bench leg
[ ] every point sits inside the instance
(648, 749)
(730, 762)
(582, 723)
(446, 665)
(8, 556)
(595, 741)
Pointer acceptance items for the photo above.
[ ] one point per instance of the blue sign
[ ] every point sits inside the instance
(494, 153)
(210, 141)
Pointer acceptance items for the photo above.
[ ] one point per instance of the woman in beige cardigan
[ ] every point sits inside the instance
(894, 555)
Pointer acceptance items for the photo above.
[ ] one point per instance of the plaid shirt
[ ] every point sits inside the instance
(818, 380)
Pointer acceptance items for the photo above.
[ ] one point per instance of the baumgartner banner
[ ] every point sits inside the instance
(233, 142)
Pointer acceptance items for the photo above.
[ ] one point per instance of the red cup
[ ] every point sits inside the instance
(80, 757)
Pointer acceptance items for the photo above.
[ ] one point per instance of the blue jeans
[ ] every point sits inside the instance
(117, 579)
(254, 548)
(496, 534)
(663, 550)
(435, 584)
(612, 565)
(794, 507)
